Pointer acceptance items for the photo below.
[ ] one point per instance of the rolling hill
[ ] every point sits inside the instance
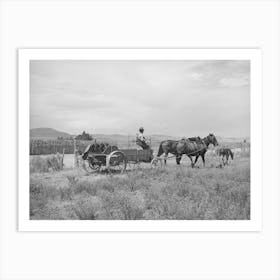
(45, 132)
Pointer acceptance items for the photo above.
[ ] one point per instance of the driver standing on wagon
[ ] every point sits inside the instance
(141, 140)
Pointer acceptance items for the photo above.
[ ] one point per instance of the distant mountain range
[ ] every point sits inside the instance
(47, 133)
(53, 133)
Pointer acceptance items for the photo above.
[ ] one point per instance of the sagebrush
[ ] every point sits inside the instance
(172, 192)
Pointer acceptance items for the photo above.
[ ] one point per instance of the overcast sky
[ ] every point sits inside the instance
(178, 98)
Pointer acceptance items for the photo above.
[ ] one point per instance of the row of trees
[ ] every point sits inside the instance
(84, 136)
(49, 146)
(53, 146)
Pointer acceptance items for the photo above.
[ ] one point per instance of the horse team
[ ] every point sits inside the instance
(193, 147)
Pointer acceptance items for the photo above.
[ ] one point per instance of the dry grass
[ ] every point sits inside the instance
(171, 192)
(46, 164)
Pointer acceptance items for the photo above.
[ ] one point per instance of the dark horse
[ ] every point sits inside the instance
(225, 152)
(166, 147)
(194, 146)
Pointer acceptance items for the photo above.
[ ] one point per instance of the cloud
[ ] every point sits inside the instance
(235, 81)
(195, 76)
(166, 97)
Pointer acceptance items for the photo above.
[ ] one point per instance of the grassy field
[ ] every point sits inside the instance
(171, 192)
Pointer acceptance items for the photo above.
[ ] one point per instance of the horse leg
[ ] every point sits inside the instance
(165, 158)
(190, 157)
(227, 158)
(178, 159)
(196, 158)
(203, 159)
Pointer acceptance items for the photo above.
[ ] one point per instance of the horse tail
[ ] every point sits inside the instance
(231, 154)
(160, 150)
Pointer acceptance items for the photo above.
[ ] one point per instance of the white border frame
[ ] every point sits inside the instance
(254, 55)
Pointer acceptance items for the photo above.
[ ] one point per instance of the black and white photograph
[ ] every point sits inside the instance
(140, 140)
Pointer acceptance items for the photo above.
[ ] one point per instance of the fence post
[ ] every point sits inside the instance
(76, 162)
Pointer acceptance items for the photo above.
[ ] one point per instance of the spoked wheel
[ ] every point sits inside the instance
(116, 162)
(89, 167)
(156, 161)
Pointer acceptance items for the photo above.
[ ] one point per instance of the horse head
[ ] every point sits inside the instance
(212, 139)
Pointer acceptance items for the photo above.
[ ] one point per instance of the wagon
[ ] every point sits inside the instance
(116, 160)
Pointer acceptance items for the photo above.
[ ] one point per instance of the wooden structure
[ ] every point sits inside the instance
(117, 160)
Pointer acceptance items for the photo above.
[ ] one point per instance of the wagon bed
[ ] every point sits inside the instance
(134, 155)
(116, 160)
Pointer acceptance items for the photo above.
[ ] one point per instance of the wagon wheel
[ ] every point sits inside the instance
(156, 161)
(89, 167)
(116, 161)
